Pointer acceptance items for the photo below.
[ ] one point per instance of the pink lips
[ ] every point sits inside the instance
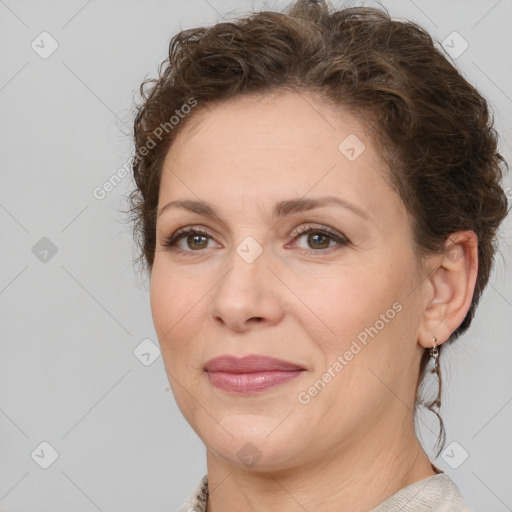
(250, 373)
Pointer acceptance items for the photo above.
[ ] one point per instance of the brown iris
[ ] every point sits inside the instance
(314, 237)
(194, 241)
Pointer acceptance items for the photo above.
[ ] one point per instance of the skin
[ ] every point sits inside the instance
(304, 300)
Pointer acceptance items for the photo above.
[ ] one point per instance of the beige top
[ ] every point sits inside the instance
(437, 493)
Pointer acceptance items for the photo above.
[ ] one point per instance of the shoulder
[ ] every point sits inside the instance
(437, 493)
(196, 502)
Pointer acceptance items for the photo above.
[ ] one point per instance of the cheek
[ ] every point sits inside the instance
(364, 307)
(342, 301)
(173, 303)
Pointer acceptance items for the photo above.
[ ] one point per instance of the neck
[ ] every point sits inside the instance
(358, 475)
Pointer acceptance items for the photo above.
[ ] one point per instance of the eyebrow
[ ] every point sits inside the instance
(281, 209)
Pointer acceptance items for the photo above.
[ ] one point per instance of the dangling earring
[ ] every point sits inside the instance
(435, 354)
(436, 404)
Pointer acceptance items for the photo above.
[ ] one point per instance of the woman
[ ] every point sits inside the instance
(318, 194)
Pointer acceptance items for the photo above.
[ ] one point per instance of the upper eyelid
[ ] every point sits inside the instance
(297, 230)
(309, 226)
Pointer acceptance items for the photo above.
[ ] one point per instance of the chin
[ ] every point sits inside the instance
(254, 442)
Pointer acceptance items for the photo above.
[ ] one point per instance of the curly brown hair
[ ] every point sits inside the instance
(432, 127)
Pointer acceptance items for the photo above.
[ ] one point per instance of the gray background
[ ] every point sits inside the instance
(71, 320)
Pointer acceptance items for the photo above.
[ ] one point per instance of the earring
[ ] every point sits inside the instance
(435, 354)
(435, 405)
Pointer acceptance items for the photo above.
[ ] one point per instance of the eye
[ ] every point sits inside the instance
(191, 239)
(319, 239)
(188, 240)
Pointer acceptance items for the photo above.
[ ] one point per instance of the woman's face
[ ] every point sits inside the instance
(332, 288)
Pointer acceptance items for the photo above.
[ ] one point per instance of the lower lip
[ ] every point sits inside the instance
(249, 382)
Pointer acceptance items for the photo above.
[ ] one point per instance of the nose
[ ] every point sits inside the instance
(248, 296)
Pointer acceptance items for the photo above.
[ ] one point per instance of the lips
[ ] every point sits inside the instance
(249, 364)
(250, 374)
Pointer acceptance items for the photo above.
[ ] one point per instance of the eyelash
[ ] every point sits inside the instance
(171, 241)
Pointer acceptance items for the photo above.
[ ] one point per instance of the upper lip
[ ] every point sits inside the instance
(248, 364)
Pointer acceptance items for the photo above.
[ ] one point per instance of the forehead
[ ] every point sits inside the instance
(265, 146)
(301, 122)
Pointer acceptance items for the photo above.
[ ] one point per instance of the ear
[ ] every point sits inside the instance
(449, 288)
